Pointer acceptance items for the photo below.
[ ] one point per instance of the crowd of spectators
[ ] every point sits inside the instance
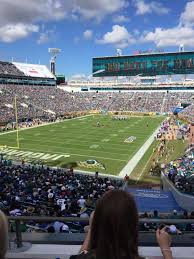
(7, 68)
(36, 190)
(170, 215)
(46, 101)
(188, 113)
(181, 172)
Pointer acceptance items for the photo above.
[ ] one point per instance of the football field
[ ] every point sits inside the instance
(80, 142)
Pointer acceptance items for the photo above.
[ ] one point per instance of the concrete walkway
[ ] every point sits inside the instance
(128, 169)
(64, 251)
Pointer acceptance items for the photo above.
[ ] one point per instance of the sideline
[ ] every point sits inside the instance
(128, 169)
(45, 124)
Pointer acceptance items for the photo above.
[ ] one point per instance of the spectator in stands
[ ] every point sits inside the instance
(49, 102)
(81, 202)
(113, 230)
(3, 235)
(174, 215)
(32, 190)
(181, 171)
(155, 215)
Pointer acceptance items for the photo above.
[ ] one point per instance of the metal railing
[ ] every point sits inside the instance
(21, 219)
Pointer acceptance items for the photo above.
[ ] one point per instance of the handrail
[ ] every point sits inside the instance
(77, 219)
(20, 219)
(47, 219)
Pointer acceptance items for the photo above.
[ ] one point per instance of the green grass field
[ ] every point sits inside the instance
(71, 141)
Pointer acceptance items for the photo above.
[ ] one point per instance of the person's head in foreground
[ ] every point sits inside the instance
(3, 235)
(113, 230)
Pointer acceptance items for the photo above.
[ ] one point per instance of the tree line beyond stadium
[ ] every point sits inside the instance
(145, 64)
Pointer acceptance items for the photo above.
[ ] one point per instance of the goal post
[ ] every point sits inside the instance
(16, 126)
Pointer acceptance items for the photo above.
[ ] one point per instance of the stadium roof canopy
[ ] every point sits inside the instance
(34, 70)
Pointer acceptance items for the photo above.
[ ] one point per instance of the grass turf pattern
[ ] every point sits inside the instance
(81, 139)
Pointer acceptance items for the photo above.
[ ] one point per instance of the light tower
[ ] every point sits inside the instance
(53, 52)
(119, 52)
(181, 48)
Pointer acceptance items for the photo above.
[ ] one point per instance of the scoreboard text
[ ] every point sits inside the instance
(146, 65)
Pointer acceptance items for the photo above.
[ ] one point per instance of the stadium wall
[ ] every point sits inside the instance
(185, 201)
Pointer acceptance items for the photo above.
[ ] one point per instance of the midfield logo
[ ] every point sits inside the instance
(91, 164)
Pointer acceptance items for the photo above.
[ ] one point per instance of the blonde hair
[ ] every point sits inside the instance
(3, 235)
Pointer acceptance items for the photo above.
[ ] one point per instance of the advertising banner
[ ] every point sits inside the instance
(150, 200)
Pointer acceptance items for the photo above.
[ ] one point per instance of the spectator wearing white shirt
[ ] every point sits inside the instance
(81, 202)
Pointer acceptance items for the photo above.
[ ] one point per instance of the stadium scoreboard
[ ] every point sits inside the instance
(145, 64)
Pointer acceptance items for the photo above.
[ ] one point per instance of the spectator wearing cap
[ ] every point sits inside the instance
(64, 229)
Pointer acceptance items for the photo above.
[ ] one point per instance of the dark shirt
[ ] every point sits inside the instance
(91, 255)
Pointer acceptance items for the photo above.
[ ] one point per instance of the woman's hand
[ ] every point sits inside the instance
(85, 246)
(164, 241)
(163, 238)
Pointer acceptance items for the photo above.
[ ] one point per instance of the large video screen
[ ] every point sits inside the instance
(145, 64)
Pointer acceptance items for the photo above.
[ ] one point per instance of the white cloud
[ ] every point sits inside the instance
(119, 37)
(88, 34)
(120, 19)
(46, 36)
(90, 9)
(187, 17)
(183, 33)
(170, 37)
(11, 32)
(32, 12)
(19, 18)
(143, 7)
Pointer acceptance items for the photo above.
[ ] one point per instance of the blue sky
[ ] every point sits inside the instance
(88, 28)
